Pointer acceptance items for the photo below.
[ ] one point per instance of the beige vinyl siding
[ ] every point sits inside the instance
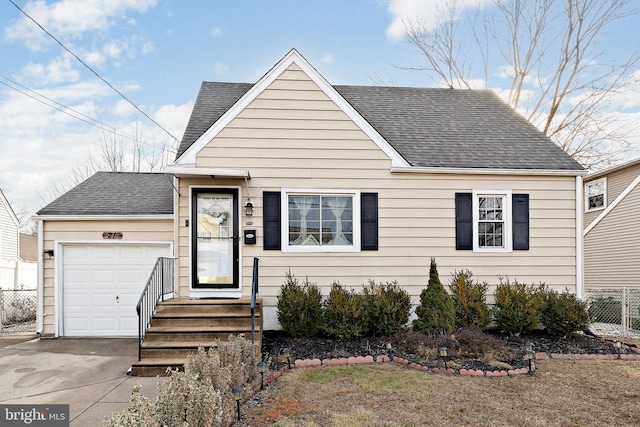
(79, 231)
(8, 234)
(293, 136)
(611, 250)
(617, 182)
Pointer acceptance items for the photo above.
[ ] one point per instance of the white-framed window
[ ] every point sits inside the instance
(320, 220)
(492, 221)
(595, 195)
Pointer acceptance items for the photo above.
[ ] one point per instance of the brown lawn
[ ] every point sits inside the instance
(560, 393)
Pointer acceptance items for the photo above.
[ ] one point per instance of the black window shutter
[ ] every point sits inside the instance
(369, 221)
(271, 220)
(520, 204)
(464, 221)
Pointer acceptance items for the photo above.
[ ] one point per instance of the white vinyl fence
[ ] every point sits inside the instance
(18, 274)
(614, 312)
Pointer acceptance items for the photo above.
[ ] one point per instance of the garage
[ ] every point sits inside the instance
(101, 285)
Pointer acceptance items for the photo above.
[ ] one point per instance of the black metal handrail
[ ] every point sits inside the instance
(254, 293)
(160, 283)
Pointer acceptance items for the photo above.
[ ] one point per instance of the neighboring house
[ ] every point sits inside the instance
(9, 230)
(345, 183)
(611, 234)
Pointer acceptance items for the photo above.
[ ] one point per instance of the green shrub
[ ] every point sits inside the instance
(564, 314)
(344, 314)
(299, 307)
(436, 313)
(518, 306)
(387, 308)
(469, 300)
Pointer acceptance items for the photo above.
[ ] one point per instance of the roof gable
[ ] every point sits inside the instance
(235, 101)
(8, 209)
(116, 193)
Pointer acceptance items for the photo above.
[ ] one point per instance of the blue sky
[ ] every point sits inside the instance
(157, 53)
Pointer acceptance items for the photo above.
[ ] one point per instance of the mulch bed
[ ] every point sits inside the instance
(467, 349)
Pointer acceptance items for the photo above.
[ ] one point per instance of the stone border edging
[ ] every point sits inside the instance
(368, 360)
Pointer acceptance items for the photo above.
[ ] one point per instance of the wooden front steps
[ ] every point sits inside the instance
(179, 326)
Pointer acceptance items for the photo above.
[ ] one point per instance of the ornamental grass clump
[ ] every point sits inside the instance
(469, 300)
(299, 307)
(563, 314)
(436, 314)
(518, 306)
(201, 394)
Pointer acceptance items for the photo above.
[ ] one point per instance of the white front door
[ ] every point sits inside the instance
(101, 285)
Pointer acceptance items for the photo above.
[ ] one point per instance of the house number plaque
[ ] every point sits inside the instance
(109, 235)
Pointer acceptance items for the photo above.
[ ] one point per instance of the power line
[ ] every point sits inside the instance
(66, 110)
(94, 72)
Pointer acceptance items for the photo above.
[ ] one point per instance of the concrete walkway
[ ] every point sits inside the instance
(88, 374)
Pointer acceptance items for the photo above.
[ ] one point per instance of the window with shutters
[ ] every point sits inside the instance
(492, 221)
(320, 220)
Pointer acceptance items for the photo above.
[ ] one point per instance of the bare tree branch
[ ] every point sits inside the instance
(553, 62)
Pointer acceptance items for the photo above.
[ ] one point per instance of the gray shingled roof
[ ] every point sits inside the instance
(116, 193)
(429, 127)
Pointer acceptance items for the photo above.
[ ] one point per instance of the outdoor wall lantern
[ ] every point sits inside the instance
(286, 353)
(530, 355)
(443, 354)
(262, 368)
(618, 346)
(248, 208)
(237, 393)
(48, 254)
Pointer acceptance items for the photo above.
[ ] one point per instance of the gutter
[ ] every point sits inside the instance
(488, 171)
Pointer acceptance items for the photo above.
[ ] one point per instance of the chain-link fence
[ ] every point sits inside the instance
(614, 312)
(17, 311)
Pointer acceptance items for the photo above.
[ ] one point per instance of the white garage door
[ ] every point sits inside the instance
(101, 285)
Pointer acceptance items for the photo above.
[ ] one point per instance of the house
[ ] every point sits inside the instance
(332, 183)
(9, 244)
(611, 234)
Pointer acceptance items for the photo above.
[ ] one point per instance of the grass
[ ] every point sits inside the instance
(561, 393)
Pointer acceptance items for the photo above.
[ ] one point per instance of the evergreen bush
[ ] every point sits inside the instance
(564, 314)
(387, 308)
(469, 300)
(299, 307)
(344, 314)
(436, 314)
(518, 306)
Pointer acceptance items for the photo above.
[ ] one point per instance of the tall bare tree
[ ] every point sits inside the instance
(115, 154)
(553, 62)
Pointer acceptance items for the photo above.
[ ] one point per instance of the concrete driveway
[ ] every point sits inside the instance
(88, 374)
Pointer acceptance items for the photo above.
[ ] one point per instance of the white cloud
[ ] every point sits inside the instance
(216, 31)
(58, 70)
(147, 47)
(221, 68)
(113, 49)
(328, 58)
(426, 13)
(70, 18)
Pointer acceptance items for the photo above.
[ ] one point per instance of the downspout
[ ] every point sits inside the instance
(40, 315)
(579, 238)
